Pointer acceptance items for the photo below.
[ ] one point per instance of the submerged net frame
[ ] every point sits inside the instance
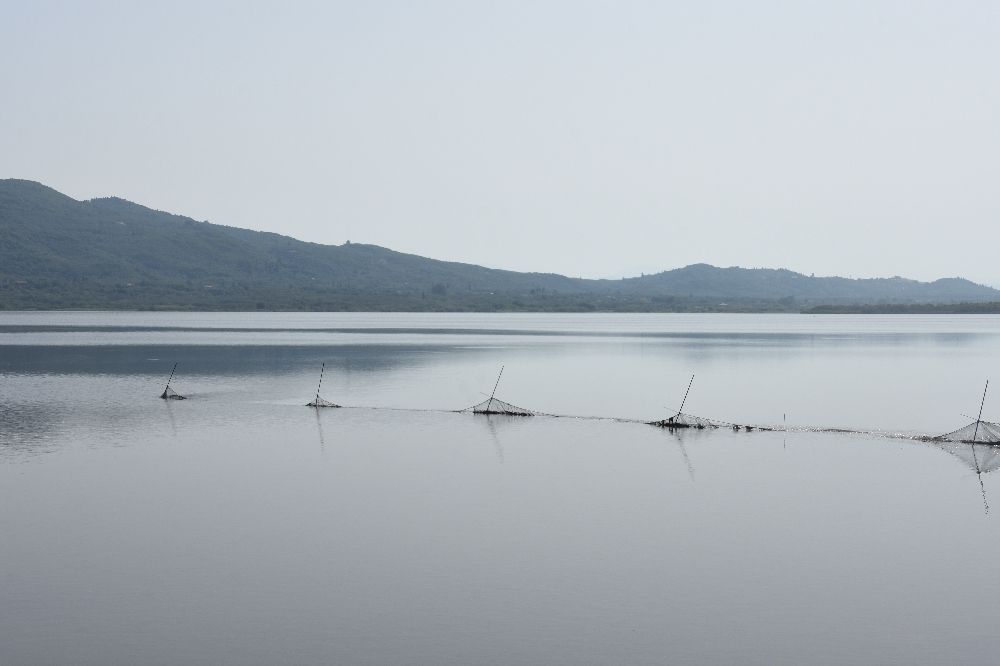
(497, 406)
(976, 445)
(978, 432)
(319, 401)
(494, 405)
(169, 393)
(682, 420)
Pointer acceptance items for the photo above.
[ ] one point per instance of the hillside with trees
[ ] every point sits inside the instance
(60, 253)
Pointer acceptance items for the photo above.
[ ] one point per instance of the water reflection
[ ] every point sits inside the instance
(249, 334)
(979, 477)
(170, 415)
(27, 429)
(493, 423)
(687, 459)
(979, 458)
(684, 437)
(319, 429)
(216, 360)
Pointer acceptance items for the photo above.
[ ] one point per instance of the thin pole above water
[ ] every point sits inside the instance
(686, 394)
(975, 459)
(980, 417)
(170, 379)
(490, 404)
(320, 385)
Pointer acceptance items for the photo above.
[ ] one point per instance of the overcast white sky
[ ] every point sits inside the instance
(595, 139)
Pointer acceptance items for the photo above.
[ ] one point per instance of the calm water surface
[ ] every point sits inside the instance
(240, 527)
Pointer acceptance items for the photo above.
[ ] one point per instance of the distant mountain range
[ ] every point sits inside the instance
(57, 253)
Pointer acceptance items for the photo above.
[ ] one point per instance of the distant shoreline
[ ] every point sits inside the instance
(991, 308)
(924, 308)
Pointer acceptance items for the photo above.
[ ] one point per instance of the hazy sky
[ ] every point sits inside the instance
(586, 138)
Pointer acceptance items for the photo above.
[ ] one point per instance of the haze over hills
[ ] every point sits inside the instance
(57, 252)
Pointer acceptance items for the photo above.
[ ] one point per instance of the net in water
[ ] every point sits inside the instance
(493, 405)
(319, 401)
(682, 420)
(498, 406)
(170, 394)
(977, 432)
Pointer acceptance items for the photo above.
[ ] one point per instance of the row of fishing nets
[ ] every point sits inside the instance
(977, 433)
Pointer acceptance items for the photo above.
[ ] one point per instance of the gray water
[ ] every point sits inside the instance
(241, 527)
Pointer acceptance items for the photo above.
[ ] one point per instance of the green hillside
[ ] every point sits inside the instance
(56, 252)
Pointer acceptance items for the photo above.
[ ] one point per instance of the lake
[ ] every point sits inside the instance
(241, 527)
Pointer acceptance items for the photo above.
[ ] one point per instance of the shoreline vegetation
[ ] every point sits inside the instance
(43, 301)
(908, 308)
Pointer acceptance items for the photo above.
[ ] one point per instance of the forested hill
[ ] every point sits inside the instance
(57, 252)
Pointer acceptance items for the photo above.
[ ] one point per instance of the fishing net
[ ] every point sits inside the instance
(320, 402)
(497, 406)
(982, 432)
(682, 420)
(170, 394)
